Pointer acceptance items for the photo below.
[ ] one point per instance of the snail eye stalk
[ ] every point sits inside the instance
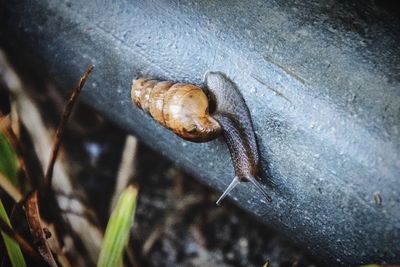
(230, 187)
(259, 187)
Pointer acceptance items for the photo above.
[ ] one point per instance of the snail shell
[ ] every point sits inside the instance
(182, 108)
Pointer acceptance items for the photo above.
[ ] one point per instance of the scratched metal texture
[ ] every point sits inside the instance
(321, 79)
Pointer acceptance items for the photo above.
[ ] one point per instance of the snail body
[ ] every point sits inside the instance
(184, 109)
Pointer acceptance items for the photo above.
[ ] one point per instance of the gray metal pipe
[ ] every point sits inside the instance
(321, 79)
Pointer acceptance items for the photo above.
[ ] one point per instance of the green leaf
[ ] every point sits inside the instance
(118, 229)
(8, 160)
(13, 250)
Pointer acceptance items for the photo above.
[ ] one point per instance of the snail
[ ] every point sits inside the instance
(185, 109)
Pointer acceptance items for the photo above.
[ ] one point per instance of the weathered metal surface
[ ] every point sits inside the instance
(321, 79)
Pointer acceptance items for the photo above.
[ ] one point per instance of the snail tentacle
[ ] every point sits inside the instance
(230, 187)
(258, 185)
(245, 166)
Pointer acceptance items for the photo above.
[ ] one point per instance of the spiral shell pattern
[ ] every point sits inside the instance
(180, 107)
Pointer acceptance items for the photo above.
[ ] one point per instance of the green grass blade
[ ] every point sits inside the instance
(118, 229)
(8, 160)
(9, 168)
(13, 250)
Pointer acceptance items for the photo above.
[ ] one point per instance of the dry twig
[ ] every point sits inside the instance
(60, 129)
(35, 227)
